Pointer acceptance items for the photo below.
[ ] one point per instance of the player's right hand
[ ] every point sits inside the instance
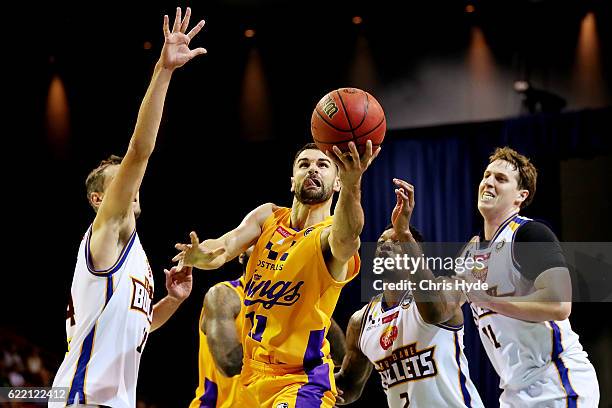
(351, 165)
(176, 52)
(196, 254)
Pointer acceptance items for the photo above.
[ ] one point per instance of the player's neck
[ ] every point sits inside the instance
(391, 298)
(306, 215)
(492, 222)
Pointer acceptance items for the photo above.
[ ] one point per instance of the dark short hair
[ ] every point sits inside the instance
(527, 173)
(96, 178)
(307, 146)
(418, 236)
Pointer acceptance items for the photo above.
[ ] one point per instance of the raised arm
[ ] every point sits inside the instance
(439, 306)
(115, 218)
(356, 367)
(341, 241)
(221, 307)
(213, 253)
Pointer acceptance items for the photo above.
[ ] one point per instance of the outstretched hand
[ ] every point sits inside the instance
(176, 52)
(179, 282)
(400, 217)
(196, 254)
(351, 166)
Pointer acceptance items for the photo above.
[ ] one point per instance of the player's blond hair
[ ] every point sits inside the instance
(527, 173)
(96, 178)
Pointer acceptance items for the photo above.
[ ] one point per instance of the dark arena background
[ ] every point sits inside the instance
(445, 72)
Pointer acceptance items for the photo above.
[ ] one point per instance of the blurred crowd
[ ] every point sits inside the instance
(24, 364)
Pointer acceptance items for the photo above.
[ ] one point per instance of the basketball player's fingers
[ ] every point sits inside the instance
(177, 20)
(375, 155)
(341, 157)
(194, 239)
(367, 156)
(182, 247)
(185, 23)
(179, 257)
(408, 188)
(166, 26)
(195, 30)
(354, 153)
(332, 156)
(196, 52)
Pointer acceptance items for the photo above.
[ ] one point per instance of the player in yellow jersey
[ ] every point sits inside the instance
(220, 356)
(302, 258)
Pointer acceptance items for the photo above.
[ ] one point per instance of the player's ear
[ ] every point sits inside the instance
(95, 199)
(522, 196)
(337, 184)
(293, 184)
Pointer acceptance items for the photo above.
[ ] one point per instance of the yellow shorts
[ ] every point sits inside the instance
(277, 386)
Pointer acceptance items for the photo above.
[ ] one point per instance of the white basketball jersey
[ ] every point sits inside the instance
(420, 364)
(520, 351)
(107, 328)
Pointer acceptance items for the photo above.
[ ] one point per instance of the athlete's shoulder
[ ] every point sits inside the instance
(358, 317)
(221, 297)
(535, 231)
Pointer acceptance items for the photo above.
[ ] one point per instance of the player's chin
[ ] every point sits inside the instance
(313, 196)
(137, 210)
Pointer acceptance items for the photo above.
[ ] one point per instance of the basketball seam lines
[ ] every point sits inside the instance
(332, 126)
(346, 115)
(371, 130)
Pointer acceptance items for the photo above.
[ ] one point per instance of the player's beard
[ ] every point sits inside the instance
(314, 196)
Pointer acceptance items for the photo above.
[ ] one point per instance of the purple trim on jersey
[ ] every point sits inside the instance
(209, 398)
(120, 261)
(310, 395)
(467, 399)
(449, 327)
(78, 381)
(557, 349)
(235, 283)
(109, 289)
(313, 355)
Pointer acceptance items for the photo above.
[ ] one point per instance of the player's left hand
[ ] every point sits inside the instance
(179, 282)
(404, 206)
(176, 52)
(350, 165)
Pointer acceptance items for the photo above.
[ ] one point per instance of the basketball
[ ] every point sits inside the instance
(345, 115)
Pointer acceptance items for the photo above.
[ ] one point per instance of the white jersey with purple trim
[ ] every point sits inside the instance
(525, 353)
(420, 364)
(108, 322)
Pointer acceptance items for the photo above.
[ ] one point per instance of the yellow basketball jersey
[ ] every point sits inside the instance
(289, 295)
(214, 389)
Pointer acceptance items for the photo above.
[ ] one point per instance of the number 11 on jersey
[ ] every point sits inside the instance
(258, 328)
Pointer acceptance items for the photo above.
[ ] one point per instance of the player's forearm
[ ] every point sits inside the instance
(531, 310)
(163, 310)
(433, 305)
(348, 222)
(351, 387)
(150, 113)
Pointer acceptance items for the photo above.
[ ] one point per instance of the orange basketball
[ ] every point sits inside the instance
(345, 115)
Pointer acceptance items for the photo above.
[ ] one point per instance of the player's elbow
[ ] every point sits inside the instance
(344, 249)
(140, 150)
(231, 368)
(562, 310)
